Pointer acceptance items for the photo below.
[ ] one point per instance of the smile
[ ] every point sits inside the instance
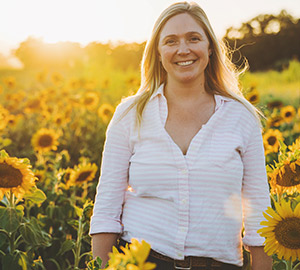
(185, 63)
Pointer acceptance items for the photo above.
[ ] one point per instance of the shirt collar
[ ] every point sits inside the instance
(159, 91)
(218, 98)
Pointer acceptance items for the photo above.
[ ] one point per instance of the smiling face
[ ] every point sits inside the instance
(184, 49)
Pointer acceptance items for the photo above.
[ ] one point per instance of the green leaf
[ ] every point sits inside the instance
(269, 169)
(78, 211)
(10, 261)
(28, 234)
(74, 223)
(3, 154)
(25, 161)
(20, 210)
(35, 195)
(10, 218)
(33, 234)
(66, 246)
(5, 142)
(95, 264)
(22, 260)
(282, 156)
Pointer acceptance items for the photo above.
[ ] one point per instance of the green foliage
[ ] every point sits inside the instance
(95, 264)
(267, 41)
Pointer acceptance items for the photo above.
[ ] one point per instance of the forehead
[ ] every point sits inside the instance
(181, 24)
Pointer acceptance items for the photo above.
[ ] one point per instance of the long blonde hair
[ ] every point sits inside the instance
(221, 76)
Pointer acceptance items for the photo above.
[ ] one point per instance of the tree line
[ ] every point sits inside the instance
(266, 41)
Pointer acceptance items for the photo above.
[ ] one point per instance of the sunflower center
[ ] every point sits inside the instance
(10, 177)
(272, 140)
(253, 98)
(45, 140)
(288, 178)
(33, 104)
(83, 176)
(288, 114)
(107, 112)
(287, 232)
(88, 100)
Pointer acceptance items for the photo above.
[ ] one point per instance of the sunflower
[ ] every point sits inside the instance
(56, 78)
(295, 146)
(10, 81)
(40, 175)
(275, 121)
(15, 176)
(274, 104)
(61, 120)
(90, 100)
(271, 140)
(41, 76)
(34, 104)
(134, 257)
(12, 120)
(105, 112)
(3, 118)
(288, 113)
(64, 176)
(253, 96)
(286, 178)
(82, 173)
(45, 140)
(283, 231)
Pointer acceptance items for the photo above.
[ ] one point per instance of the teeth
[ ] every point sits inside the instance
(186, 63)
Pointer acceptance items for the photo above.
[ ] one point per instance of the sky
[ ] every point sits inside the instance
(85, 21)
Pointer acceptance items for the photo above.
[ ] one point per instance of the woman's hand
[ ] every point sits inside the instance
(259, 259)
(102, 244)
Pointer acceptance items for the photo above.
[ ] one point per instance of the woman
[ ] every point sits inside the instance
(189, 147)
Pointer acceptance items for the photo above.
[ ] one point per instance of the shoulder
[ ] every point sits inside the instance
(244, 112)
(125, 110)
(125, 104)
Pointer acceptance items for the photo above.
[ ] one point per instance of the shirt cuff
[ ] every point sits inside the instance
(105, 227)
(252, 238)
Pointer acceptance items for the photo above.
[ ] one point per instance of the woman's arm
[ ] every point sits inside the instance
(106, 224)
(102, 244)
(259, 259)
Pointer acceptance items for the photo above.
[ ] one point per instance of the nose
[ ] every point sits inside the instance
(183, 47)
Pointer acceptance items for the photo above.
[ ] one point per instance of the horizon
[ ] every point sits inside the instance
(54, 21)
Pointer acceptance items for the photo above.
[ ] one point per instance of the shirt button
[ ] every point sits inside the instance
(184, 171)
(182, 229)
(179, 254)
(183, 201)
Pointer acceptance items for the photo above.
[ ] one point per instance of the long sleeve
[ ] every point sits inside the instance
(255, 189)
(113, 180)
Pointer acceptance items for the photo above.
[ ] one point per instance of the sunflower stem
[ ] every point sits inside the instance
(11, 199)
(289, 264)
(273, 198)
(12, 243)
(78, 244)
(295, 267)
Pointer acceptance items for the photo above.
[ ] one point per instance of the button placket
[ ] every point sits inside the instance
(183, 206)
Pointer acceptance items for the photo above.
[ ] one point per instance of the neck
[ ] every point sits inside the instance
(185, 92)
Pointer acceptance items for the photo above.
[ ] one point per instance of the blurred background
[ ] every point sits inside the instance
(64, 67)
(75, 33)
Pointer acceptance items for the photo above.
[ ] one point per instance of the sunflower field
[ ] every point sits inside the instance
(52, 130)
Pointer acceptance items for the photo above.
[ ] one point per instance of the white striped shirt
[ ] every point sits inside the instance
(194, 204)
